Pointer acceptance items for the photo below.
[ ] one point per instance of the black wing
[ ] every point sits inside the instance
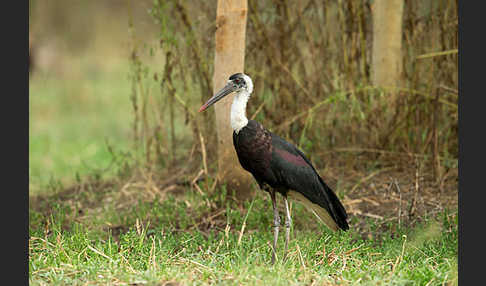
(294, 171)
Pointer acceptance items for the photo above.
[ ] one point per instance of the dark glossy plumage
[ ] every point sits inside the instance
(275, 162)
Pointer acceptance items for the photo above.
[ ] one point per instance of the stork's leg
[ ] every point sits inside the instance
(288, 222)
(276, 224)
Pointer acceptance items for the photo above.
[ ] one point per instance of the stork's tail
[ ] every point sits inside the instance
(338, 212)
(335, 218)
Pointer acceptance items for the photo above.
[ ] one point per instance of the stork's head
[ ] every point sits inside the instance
(238, 82)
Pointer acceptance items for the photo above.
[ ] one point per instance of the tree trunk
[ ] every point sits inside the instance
(229, 59)
(387, 43)
(387, 61)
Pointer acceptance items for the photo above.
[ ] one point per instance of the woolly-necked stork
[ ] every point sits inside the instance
(277, 165)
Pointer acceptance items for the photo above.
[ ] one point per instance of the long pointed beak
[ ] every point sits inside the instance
(227, 89)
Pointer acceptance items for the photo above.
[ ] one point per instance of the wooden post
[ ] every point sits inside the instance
(229, 59)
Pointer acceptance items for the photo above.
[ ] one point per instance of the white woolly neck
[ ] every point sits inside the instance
(238, 110)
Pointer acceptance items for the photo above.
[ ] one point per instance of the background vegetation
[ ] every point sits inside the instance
(121, 164)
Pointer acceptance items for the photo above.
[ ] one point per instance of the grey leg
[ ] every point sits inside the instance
(276, 224)
(288, 222)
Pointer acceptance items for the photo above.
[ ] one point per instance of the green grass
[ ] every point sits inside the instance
(171, 238)
(73, 120)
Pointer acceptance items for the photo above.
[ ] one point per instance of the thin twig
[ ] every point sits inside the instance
(257, 111)
(358, 212)
(100, 253)
(399, 258)
(411, 212)
(244, 222)
(437, 54)
(300, 256)
(399, 203)
(453, 90)
(352, 250)
(203, 151)
(197, 263)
